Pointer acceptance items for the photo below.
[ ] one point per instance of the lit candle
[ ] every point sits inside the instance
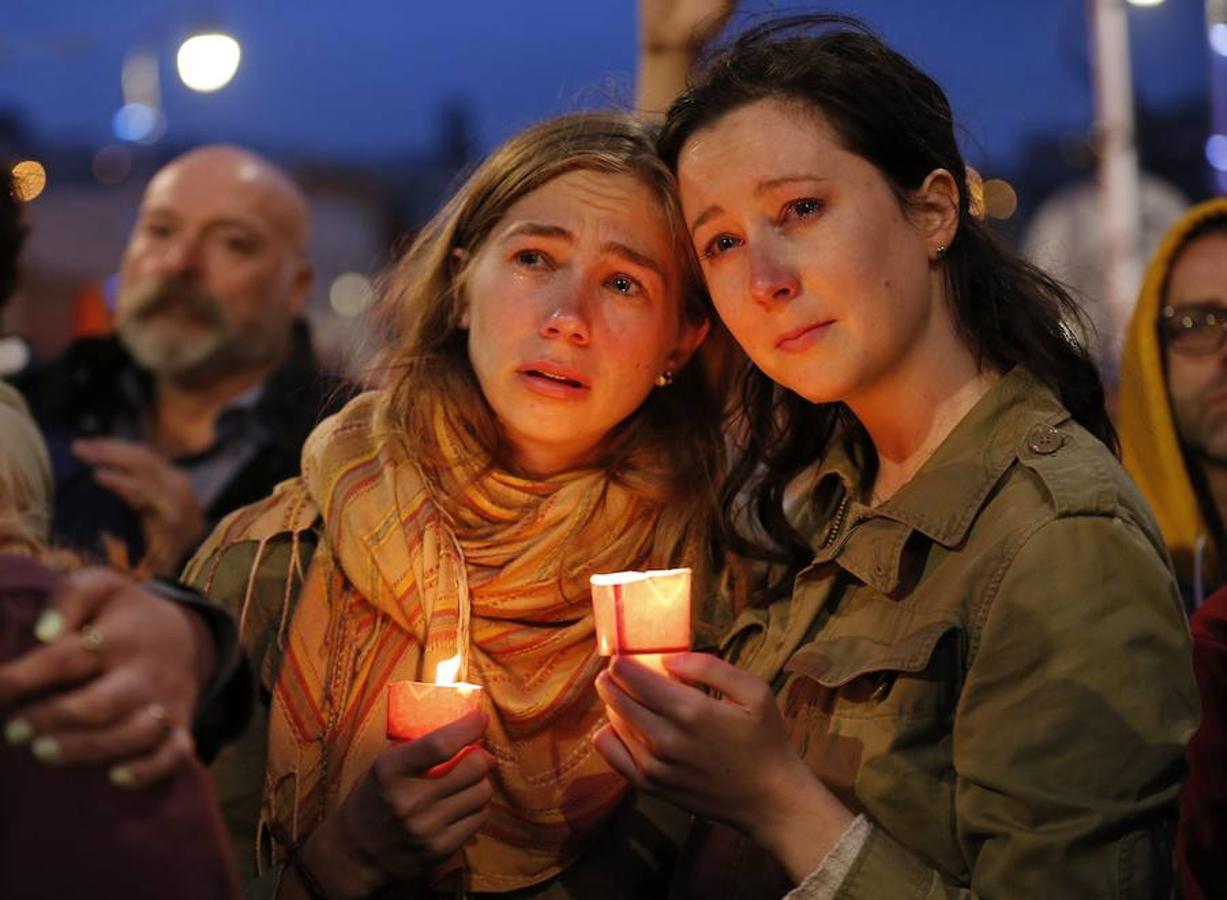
(416, 708)
(642, 612)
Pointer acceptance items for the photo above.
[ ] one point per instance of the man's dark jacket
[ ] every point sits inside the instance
(81, 394)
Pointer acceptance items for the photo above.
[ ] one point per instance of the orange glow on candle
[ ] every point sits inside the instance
(653, 661)
(416, 708)
(642, 612)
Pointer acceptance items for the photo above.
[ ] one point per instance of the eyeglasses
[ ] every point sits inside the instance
(1194, 330)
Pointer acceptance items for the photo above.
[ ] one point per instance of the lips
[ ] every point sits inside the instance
(803, 337)
(548, 373)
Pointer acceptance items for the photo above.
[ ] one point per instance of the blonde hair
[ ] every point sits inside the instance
(428, 362)
(25, 478)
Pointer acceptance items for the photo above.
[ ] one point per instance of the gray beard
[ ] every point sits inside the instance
(191, 358)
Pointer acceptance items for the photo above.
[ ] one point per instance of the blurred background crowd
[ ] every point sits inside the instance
(376, 112)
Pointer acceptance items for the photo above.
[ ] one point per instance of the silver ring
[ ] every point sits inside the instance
(158, 713)
(92, 640)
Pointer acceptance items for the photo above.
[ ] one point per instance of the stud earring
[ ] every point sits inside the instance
(941, 252)
(664, 379)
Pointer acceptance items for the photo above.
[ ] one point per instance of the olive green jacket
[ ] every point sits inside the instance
(993, 665)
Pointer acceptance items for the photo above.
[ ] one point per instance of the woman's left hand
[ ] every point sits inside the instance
(727, 760)
(116, 680)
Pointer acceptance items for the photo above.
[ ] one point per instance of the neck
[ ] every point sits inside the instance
(184, 414)
(911, 411)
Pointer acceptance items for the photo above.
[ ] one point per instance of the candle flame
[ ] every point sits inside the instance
(446, 671)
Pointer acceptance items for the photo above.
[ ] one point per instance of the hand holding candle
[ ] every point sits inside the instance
(418, 803)
(416, 708)
(726, 759)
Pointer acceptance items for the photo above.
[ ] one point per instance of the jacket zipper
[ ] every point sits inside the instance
(841, 513)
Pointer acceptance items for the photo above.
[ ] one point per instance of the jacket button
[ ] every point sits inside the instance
(1045, 439)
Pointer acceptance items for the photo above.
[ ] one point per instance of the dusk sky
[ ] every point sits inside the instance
(363, 80)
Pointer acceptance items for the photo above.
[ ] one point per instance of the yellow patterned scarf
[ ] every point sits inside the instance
(413, 567)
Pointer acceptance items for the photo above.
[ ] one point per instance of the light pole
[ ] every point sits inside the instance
(1119, 203)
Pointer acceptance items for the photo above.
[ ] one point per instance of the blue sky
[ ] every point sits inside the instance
(362, 80)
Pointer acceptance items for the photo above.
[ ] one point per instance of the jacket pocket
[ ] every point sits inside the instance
(860, 676)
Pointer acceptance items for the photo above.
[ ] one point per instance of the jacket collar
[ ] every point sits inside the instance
(944, 498)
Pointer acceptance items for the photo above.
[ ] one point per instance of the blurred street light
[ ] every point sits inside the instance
(138, 122)
(1218, 38)
(29, 179)
(351, 294)
(1216, 151)
(207, 62)
(1145, 2)
(1000, 199)
(112, 164)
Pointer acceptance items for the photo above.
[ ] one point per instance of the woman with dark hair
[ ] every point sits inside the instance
(965, 670)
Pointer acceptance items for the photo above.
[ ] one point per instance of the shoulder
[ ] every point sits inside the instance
(1064, 472)
(1068, 538)
(253, 545)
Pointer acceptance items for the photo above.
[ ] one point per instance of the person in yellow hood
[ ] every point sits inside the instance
(1172, 406)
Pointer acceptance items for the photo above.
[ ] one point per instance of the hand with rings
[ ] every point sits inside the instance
(115, 680)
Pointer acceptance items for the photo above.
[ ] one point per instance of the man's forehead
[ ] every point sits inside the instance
(226, 187)
(1199, 270)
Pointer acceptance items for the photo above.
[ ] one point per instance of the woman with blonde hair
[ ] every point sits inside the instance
(540, 424)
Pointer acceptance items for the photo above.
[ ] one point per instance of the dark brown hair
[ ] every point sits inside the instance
(884, 109)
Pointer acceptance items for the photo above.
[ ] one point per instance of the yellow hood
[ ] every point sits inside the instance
(1150, 447)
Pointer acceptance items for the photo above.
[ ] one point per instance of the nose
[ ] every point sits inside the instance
(566, 321)
(773, 278)
(181, 256)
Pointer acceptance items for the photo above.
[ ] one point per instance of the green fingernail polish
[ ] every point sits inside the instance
(46, 750)
(121, 776)
(18, 731)
(50, 625)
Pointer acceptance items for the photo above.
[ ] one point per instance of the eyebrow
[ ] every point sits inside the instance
(773, 183)
(536, 229)
(761, 188)
(634, 256)
(166, 212)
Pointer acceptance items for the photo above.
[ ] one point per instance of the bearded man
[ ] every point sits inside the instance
(201, 403)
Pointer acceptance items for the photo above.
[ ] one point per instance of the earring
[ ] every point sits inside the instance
(664, 379)
(941, 252)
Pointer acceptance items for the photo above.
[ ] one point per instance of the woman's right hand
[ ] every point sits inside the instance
(401, 819)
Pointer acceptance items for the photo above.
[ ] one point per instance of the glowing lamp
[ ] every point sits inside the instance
(416, 708)
(642, 612)
(207, 62)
